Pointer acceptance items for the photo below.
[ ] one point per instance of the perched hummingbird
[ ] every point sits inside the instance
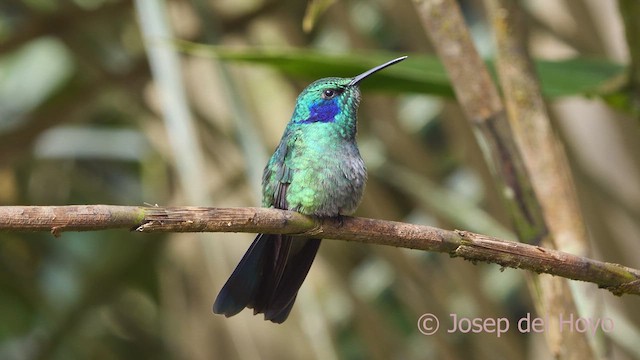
(316, 170)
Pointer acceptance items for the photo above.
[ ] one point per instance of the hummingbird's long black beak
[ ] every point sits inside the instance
(359, 78)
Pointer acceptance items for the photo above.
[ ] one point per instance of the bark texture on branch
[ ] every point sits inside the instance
(470, 246)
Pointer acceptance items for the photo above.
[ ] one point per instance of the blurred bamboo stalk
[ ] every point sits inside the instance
(189, 158)
(251, 144)
(166, 71)
(252, 147)
(630, 10)
(549, 169)
(483, 107)
(542, 151)
(545, 160)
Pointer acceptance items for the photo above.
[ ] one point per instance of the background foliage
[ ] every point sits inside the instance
(83, 120)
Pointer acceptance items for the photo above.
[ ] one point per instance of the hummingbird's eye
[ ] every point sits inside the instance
(329, 94)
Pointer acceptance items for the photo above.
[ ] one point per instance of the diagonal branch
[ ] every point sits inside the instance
(480, 100)
(470, 246)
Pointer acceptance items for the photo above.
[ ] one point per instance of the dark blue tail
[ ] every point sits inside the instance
(268, 277)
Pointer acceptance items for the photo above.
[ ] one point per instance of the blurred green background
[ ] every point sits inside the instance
(100, 104)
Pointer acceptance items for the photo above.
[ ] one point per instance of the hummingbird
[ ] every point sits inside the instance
(316, 170)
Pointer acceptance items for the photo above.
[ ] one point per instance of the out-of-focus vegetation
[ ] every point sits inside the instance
(93, 111)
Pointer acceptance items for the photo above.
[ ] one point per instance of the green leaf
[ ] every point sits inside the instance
(577, 76)
(419, 73)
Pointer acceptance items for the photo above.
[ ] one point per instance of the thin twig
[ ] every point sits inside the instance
(470, 246)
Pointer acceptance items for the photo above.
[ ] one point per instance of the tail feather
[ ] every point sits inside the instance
(242, 286)
(296, 270)
(268, 277)
(275, 261)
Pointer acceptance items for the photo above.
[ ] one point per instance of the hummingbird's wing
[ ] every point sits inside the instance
(271, 272)
(277, 174)
(288, 260)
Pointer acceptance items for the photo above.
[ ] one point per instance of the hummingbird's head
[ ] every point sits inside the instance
(327, 101)
(333, 100)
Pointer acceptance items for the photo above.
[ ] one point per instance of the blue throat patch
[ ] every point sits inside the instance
(324, 111)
